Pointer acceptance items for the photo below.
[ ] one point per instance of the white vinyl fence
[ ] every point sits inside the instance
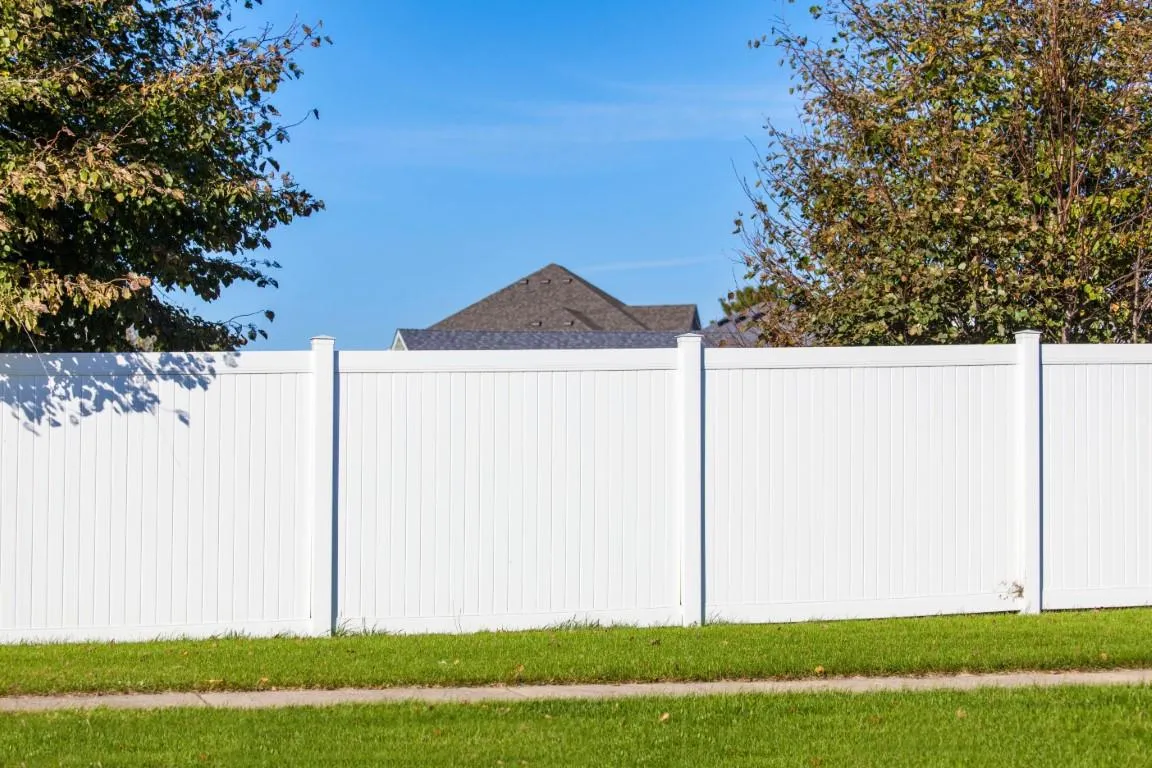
(162, 494)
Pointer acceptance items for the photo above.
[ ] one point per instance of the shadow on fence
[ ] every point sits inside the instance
(51, 390)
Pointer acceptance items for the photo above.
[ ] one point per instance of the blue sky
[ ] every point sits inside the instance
(462, 145)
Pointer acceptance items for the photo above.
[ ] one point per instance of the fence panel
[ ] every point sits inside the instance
(505, 490)
(150, 495)
(858, 483)
(1097, 476)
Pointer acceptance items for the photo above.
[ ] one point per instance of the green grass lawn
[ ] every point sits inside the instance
(1081, 640)
(1026, 727)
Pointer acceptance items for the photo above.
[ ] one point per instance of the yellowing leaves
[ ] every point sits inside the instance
(27, 294)
(107, 156)
(951, 182)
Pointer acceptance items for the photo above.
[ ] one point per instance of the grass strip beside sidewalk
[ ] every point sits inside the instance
(937, 645)
(1026, 727)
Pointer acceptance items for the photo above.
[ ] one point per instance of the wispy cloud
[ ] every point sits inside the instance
(623, 115)
(632, 266)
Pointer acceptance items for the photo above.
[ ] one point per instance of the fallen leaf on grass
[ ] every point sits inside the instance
(664, 717)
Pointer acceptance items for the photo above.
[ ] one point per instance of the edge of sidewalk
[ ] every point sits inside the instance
(330, 697)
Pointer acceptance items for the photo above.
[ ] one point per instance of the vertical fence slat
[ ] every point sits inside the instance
(323, 453)
(1028, 470)
(690, 443)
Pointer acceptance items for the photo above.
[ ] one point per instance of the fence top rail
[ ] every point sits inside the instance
(161, 364)
(1098, 354)
(479, 361)
(153, 364)
(860, 357)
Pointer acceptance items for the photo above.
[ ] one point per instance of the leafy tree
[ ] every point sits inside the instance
(135, 141)
(742, 301)
(962, 170)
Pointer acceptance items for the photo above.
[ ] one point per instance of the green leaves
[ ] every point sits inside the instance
(964, 170)
(134, 140)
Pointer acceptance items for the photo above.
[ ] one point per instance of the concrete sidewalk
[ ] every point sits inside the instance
(313, 698)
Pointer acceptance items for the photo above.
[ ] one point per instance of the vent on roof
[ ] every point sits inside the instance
(524, 281)
(537, 324)
(567, 279)
(546, 281)
(570, 322)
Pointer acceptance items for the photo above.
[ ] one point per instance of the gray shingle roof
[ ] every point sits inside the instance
(556, 299)
(726, 333)
(667, 317)
(416, 339)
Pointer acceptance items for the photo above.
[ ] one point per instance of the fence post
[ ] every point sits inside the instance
(1029, 468)
(323, 456)
(690, 467)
